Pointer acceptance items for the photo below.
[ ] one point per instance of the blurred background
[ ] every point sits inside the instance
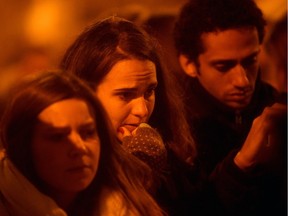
(35, 33)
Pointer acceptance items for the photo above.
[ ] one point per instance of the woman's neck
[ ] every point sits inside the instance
(62, 198)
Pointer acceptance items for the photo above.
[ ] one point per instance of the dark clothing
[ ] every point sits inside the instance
(183, 191)
(219, 133)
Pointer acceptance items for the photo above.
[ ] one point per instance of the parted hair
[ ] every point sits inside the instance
(118, 170)
(106, 42)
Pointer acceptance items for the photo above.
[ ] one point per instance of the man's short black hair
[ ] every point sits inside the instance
(203, 16)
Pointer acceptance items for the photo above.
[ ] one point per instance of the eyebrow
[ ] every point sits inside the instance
(254, 54)
(51, 128)
(152, 85)
(88, 125)
(232, 61)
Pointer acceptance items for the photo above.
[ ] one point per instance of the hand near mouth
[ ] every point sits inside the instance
(146, 144)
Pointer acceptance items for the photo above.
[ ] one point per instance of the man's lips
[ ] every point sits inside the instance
(240, 95)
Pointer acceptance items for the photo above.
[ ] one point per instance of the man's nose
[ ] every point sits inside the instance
(240, 78)
(140, 107)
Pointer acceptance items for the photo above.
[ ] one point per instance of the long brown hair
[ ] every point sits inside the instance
(118, 170)
(104, 43)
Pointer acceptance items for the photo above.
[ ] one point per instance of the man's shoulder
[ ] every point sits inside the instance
(268, 93)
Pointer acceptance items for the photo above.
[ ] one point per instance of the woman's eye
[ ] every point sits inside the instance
(149, 93)
(126, 96)
(89, 133)
(56, 137)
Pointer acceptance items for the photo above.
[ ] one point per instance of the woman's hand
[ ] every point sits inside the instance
(146, 144)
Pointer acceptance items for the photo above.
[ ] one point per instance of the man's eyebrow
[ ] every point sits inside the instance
(223, 61)
(254, 54)
(233, 61)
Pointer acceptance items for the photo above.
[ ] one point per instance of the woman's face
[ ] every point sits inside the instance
(127, 93)
(66, 147)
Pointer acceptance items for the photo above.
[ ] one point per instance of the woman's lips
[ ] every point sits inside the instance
(80, 168)
(130, 127)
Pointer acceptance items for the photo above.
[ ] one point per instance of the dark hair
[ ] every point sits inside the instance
(105, 43)
(117, 169)
(276, 42)
(203, 16)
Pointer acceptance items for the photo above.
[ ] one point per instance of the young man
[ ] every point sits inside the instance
(233, 114)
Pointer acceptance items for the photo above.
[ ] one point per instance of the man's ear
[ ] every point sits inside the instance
(188, 66)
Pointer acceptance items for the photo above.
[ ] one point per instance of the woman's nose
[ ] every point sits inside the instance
(140, 107)
(77, 145)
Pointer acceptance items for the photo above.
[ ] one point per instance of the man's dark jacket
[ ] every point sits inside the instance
(219, 133)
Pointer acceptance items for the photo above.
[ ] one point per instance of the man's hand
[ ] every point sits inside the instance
(262, 143)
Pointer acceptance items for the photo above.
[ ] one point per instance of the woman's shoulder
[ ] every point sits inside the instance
(112, 202)
(3, 208)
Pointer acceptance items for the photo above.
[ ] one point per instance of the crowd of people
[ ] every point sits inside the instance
(116, 132)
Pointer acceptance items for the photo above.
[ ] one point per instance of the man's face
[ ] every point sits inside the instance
(128, 93)
(229, 65)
